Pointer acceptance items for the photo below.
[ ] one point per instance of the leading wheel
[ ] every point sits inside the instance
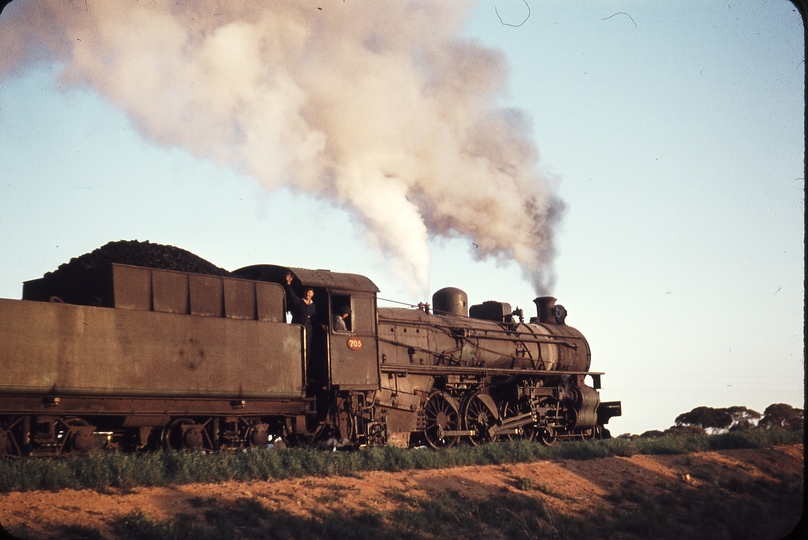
(441, 415)
(547, 436)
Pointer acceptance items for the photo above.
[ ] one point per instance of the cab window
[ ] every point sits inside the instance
(342, 315)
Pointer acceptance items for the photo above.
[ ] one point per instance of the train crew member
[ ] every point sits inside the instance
(338, 319)
(303, 310)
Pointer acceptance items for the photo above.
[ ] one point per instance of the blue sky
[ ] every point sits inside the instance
(672, 131)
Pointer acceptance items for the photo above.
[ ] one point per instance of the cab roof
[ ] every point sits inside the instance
(308, 278)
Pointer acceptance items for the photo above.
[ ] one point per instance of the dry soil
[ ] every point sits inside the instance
(576, 486)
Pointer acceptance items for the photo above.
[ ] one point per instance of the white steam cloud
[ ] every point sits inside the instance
(380, 107)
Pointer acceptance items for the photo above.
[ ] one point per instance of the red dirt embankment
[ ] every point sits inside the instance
(566, 488)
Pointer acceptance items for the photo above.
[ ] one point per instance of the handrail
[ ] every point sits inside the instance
(455, 370)
(477, 335)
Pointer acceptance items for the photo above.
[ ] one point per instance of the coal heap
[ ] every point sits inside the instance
(145, 254)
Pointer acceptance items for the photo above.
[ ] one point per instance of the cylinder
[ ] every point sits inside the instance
(450, 301)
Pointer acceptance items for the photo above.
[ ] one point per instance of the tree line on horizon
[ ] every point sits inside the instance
(712, 420)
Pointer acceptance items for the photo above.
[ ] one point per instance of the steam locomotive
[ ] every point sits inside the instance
(132, 357)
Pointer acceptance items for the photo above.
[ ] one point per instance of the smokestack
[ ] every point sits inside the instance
(546, 309)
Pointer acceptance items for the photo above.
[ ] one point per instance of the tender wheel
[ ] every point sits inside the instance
(276, 441)
(183, 433)
(480, 413)
(441, 415)
(76, 435)
(8, 441)
(510, 409)
(258, 435)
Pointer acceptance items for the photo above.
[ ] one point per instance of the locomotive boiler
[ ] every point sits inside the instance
(482, 373)
(136, 357)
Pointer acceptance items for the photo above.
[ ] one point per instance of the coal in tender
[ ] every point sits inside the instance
(135, 253)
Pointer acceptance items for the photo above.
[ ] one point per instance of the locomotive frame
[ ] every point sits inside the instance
(130, 357)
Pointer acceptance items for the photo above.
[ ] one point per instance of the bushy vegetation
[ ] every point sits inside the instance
(116, 470)
(738, 418)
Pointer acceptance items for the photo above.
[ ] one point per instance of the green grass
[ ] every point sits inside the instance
(117, 470)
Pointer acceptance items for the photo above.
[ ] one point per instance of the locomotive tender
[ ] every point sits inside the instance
(133, 357)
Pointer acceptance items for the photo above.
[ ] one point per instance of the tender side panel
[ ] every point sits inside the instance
(62, 349)
(166, 291)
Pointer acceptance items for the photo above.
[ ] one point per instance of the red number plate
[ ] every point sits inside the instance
(354, 343)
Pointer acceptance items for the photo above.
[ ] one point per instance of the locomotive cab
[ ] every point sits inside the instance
(338, 359)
